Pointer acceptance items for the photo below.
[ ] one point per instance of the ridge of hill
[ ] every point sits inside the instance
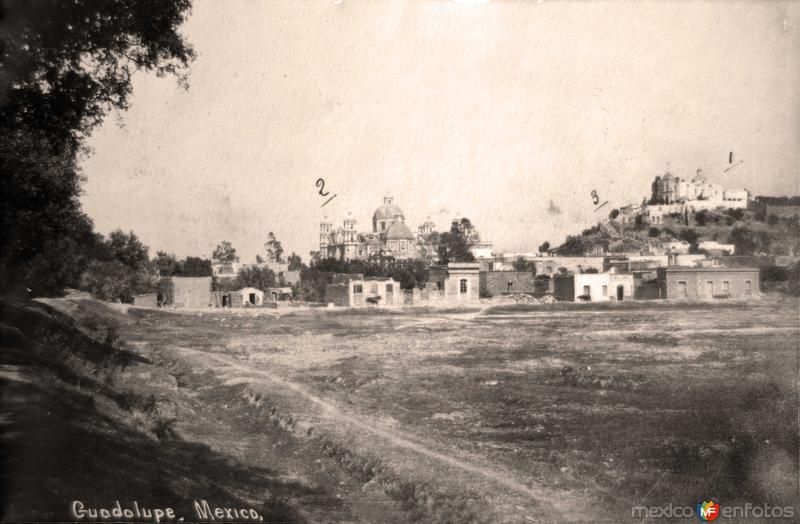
(751, 232)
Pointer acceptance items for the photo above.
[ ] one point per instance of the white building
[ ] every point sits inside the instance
(593, 287)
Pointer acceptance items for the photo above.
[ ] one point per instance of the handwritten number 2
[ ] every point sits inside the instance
(321, 185)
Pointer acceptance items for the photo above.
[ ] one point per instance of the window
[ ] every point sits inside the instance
(748, 287)
(389, 288)
(374, 288)
(710, 288)
(383, 226)
(510, 286)
(587, 291)
(358, 289)
(463, 286)
(681, 289)
(605, 291)
(726, 286)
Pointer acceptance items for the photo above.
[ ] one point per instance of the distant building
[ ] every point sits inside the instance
(707, 282)
(353, 290)
(291, 277)
(148, 300)
(390, 237)
(191, 292)
(552, 265)
(252, 296)
(593, 287)
(279, 294)
(457, 282)
(715, 248)
(505, 282)
(696, 192)
(481, 250)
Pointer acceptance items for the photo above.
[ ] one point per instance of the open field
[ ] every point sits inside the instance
(509, 414)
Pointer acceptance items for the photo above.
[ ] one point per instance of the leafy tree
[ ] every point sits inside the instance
(575, 246)
(224, 252)
(749, 242)
(195, 267)
(689, 236)
(520, 264)
(295, 262)
(257, 277)
(128, 249)
(166, 264)
(653, 232)
(545, 247)
(454, 246)
(273, 248)
(65, 64)
(259, 259)
(114, 280)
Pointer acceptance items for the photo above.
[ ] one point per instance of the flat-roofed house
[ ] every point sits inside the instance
(697, 283)
(353, 290)
(593, 287)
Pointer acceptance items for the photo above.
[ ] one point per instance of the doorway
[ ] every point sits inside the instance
(620, 293)
(253, 298)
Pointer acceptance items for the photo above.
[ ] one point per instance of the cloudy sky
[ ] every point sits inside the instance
(510, 113)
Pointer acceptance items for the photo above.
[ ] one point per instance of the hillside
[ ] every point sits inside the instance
(750, 231)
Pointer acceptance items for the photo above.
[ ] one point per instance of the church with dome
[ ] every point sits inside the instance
(390, 237)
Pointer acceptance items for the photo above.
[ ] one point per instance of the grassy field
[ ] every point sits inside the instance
(538, 412)
(514, 414)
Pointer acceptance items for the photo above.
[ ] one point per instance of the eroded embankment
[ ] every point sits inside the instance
(87, 418)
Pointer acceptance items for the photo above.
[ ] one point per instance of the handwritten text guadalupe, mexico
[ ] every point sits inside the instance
(203, 512)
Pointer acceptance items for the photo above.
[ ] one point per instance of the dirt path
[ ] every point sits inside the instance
(495, 483)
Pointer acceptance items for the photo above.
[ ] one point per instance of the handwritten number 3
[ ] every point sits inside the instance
(321, 185)
(595, 198)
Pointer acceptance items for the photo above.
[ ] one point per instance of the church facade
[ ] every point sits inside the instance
(390, 237)
(671, 195)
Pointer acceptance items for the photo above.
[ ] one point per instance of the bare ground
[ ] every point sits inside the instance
(510, 414)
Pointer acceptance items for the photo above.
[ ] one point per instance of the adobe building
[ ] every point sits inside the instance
(593, 287)
(505, 282)
(458, 282)
(698, 283)
(353, 290)
(192, 292)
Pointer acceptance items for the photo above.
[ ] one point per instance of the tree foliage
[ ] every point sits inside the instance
(257, 277)
(295, 262)
(273, 248)
(224, 252)
(63, 65)
(520, 264)
(454, 245)
(575, 246)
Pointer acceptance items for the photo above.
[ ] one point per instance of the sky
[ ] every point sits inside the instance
(508, 112)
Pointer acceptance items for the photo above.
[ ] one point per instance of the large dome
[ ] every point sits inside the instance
(387, 212)
(399, 231)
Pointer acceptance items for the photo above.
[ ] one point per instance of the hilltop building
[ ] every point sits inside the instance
(671, 195)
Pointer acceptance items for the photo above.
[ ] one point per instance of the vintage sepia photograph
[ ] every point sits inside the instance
(399, 261)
